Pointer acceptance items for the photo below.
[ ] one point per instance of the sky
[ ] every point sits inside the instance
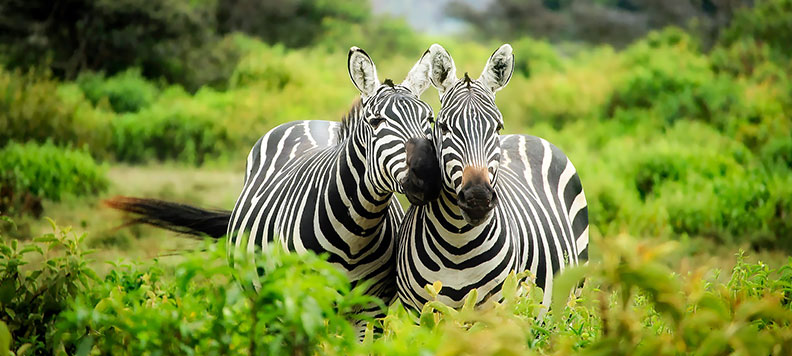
(425, 15)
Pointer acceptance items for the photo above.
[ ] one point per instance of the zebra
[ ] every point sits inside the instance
(328, 187)
(325, 186)
(508, 202)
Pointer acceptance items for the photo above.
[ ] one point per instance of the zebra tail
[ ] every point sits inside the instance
(173, 216)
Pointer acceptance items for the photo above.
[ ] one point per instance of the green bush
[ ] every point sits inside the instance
(303, 305)
(185, 130)
(32, 297)
(266, 68)
(301, 308)
(535, 57)
(292, 23)
(126, 91)
(211, 64)
(50, 172)
(379, 36)
(767, 24)
(666, 74)
(690, 180)
(34, 106)
(634, 302)
(669, 140)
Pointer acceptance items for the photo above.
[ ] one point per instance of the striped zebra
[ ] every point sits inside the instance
(326, 186)
(508, 203)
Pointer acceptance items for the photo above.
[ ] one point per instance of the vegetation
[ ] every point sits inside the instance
(32, 172)
(616, 22)
(682, 137)
(632, 304)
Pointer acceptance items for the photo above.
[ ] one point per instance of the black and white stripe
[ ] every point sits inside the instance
(509, 203)
(328, 187)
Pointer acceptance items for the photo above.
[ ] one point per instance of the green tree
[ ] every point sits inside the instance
(617, 22)
(108, 35)
(294, 23)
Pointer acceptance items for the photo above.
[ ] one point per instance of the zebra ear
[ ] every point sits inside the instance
(499, 68)
(362, 72)
(418, 78)
(442, 71)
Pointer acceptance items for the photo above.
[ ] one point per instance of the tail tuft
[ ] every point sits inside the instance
(173, 216)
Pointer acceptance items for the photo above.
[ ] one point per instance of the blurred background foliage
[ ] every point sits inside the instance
(679, 130)
(615, 22)
(677, 114)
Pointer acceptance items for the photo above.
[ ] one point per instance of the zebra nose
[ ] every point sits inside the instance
(477, 200)
(422, 183)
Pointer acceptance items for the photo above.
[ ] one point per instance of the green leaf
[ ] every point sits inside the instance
(46, 238)
(563, 285)
(7, 291)
(85, 346)
(31, 248)
(470, 300)
(5, 339)
(434, 289)
(427, 317)
(441, 307)
(22, 350)
(9, 221)
(509, 288)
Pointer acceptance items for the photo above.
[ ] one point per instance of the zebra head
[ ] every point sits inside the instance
(467, 130)
(399, 124)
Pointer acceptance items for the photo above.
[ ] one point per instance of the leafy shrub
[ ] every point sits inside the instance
(48, 172)
(768, 23)
(126, 91)
(558, 91)
(291, 23)
(211, 64)
(535, 56)
(174, 128)
(692, 180)
(778, 152)
(379, 36)
(34, 106)
(634, 303)
(266, 68)
(199, 306)
(664, 73)
(32, 299)
(301, 307)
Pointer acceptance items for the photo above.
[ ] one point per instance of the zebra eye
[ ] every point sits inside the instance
(376, 121)
(431, 119)
(499, 127)
(443, 127)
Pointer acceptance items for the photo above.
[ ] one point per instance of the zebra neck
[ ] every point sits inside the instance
(357, 203)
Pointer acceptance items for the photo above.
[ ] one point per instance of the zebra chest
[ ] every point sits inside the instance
(433, 250)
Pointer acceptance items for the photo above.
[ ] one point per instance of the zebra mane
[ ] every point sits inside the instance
(349, 120)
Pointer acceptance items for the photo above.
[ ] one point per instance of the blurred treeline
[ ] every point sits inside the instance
(679, 133)
(615, 22)
(182, 41)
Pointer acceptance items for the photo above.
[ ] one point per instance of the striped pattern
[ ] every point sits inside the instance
(327, 187)
(540, 222)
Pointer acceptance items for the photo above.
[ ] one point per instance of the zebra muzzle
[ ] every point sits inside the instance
(477, 198)
(422, 183)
